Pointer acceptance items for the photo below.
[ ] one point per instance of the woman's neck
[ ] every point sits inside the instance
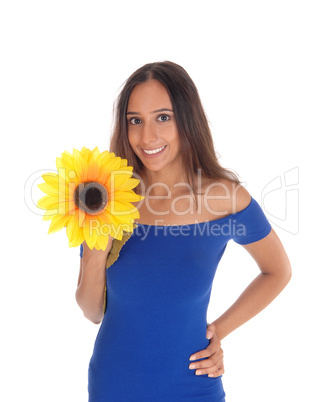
(161, 183)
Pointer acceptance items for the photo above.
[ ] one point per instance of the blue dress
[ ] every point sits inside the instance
(158, 292)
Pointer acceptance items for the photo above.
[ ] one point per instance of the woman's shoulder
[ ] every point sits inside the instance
(225, 195)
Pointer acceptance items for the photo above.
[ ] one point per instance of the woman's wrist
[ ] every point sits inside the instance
(221, 328)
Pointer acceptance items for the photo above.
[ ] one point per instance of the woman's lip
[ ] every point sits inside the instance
(153, 155)
(152, 149)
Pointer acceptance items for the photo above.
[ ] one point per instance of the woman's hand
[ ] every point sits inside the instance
(214, 365)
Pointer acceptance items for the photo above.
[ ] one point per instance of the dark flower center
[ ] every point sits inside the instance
(91, 197)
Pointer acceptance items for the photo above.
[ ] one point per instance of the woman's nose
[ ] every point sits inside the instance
(149, 133)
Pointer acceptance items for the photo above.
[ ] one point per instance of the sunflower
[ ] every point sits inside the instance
(91, 196)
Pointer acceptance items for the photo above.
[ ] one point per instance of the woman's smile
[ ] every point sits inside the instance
(153, 153)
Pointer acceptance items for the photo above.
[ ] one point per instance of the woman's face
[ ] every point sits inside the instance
(152, 130)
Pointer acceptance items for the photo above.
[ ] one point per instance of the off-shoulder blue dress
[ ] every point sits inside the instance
(158, 292)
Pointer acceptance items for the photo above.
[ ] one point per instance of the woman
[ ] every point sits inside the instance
(154, 343)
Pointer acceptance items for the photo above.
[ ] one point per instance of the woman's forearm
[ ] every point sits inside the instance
(260, 292)
(90, 292)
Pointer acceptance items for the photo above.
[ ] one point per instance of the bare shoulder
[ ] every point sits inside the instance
(225, 195)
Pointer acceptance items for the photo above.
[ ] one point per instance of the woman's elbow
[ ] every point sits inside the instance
(94, 317)
(286, 275)
(94, 320)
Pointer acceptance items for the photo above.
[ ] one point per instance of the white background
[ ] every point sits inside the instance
(257, 65)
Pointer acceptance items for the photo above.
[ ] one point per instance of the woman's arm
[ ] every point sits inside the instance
(90, 290)
(275, 274)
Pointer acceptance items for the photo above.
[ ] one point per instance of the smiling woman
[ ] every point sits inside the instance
(154, 343)
(168, 102)
(153, 136)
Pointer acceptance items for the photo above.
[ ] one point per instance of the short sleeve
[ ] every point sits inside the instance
(81, 251)
(250, 224)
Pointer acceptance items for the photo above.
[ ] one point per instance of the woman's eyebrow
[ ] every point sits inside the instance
(154, 111)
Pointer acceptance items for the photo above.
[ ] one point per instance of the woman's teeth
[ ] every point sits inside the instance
(154, 151)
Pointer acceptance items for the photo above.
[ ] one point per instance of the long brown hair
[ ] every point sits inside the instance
(197, 146)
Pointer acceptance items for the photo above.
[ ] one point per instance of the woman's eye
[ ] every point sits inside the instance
(134, 120)
(164, 117)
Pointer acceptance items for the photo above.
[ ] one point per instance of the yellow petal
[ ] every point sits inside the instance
(94, 165)
(75, 232)
(120, 177)
(124, 219)
(58, 222)
(111, 164)
(106, 155)
(104, 231)
(90, 234)
(117, 207)
(49, 214)
(117, 178)
(102, 241)
(127, 185)
(123, 207)
(71, 208)
(123, 163)
(129, 196)
(48, 202)
(81, 165)
(110, 230)
(72, 227)
(106, 218)
(86, 153)
(81, 218)
(44, 187)
(51, 179)
(96, 152)
(68, 161)
(118, 234)
(65, 175)
(127, 168)
(77, 240)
